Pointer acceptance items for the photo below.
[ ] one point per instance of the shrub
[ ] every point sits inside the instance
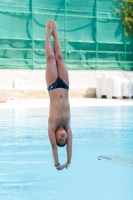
(125, 12)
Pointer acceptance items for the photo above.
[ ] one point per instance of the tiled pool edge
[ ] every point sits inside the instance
(74, 102)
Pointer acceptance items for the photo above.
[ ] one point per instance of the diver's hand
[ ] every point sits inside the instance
(59, 166)
(66, 165)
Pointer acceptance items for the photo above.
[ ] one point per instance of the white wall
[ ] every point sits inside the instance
(36, 78)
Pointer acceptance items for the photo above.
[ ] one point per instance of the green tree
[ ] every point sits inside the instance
(125, 12)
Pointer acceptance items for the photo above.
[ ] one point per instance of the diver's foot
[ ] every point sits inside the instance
(54, 26)
(49, 29)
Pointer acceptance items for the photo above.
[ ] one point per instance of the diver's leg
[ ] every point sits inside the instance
(61, 66)
(51, 68)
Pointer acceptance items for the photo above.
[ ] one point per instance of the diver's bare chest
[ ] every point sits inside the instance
(59, 114)
(59, 121)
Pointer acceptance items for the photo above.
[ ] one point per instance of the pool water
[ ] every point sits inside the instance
(27, 169)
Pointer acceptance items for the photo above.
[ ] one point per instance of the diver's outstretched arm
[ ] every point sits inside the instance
(68, 148)
(52, 139)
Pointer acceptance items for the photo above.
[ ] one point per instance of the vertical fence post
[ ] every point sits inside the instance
(65, 32)
(124, 55)
(96, 37)
(32, 34)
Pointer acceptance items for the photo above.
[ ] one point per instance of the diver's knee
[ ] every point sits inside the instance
(59, 57)
(50, 58)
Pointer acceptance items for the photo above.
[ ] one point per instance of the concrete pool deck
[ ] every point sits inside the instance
(74, 102)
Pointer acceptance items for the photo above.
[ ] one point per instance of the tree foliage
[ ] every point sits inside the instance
(125, 12)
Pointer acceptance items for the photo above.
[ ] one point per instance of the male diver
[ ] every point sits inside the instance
(59, 130)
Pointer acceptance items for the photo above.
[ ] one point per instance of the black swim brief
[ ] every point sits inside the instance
(59, 83)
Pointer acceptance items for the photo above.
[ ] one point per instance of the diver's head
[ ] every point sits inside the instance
(61, 137)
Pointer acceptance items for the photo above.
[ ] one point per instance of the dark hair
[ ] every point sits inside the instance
(61, 145)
